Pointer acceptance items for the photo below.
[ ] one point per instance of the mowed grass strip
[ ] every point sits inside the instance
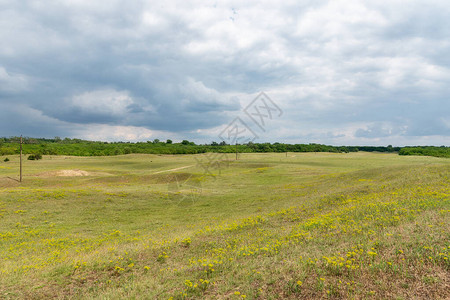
(266, 226)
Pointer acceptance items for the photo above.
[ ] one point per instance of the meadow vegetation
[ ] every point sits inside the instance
(267, 226)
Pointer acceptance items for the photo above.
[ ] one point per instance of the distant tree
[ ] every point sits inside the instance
(156, 141)
(185, 142)
(214, 144)
(344, 149)
(6, 160)
(169, 142)
(222, 143)
(36, 156)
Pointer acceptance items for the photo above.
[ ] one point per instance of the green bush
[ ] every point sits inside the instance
(6, 160)
(37, 156)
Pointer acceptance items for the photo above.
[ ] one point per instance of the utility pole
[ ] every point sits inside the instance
(236, 152)
(21, 158)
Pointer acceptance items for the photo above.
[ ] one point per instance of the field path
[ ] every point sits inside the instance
(176, 169)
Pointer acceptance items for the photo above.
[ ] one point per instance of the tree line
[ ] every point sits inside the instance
(441, 151)
(78, 147)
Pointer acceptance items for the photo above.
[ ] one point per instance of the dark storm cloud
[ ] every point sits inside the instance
(343, 71)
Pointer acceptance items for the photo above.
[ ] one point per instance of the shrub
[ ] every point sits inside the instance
(6, 160)
(37, 156)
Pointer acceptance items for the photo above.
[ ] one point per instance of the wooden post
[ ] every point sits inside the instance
(236, 152)
(20, 158)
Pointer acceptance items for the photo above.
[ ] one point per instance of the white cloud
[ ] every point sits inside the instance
(411, 72)
(118, 133)
(197, 96)
(104, 102)
(12, 83)
(339, 19)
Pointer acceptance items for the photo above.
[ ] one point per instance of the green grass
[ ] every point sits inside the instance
(270, 226)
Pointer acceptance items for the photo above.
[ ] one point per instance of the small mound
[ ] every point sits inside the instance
(66, 173)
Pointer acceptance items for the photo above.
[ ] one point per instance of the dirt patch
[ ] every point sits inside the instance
(67, 173)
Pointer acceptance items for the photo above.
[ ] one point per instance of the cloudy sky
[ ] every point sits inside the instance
(342, 72)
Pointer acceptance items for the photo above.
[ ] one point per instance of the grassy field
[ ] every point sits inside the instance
(268, 226)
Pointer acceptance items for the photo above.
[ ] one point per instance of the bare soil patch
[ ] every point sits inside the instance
(66, 173)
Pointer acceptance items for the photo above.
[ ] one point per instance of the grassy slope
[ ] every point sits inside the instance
(307, 225)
